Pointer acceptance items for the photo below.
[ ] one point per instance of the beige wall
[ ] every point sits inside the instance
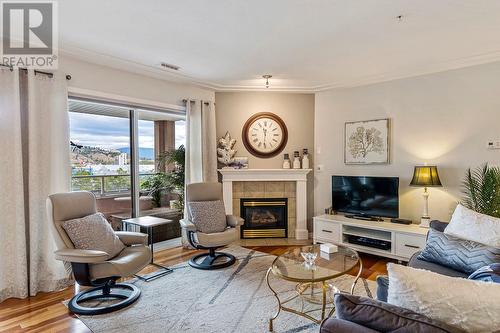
(297, 111)
(444, 119)
(104, 79)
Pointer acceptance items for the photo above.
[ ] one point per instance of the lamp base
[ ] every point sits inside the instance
(425, 222)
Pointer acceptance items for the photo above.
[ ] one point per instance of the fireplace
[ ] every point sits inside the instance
(264, 217)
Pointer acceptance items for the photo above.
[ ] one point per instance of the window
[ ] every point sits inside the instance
(180, 133)
(100, 148)
(101, 161)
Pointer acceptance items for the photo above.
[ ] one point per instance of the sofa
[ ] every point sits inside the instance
(387, 317)
(383, 281)
(418, 263)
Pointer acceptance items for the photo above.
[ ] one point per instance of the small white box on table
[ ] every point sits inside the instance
(328, 248)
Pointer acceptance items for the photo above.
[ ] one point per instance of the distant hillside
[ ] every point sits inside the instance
(94, 155)
(144, 153)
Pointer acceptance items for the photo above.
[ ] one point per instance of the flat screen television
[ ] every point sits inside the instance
(364, 196)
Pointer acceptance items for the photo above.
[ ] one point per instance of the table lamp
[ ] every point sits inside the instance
(425, 176)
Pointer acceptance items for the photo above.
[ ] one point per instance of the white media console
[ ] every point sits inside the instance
(403, 240)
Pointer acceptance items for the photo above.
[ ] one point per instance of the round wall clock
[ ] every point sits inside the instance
(264, 135)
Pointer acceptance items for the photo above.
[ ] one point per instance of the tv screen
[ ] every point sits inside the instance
(367, 196)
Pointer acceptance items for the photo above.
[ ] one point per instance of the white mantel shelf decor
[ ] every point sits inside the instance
(230, 175)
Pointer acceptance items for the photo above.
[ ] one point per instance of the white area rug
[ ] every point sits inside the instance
(235, 299)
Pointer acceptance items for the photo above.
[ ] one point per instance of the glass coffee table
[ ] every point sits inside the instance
(315, 284)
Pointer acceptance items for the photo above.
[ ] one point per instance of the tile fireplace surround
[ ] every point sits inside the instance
(269, 183)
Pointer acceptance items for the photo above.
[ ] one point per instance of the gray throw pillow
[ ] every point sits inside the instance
(385, 317)
(93, 232)
(459, 254)
(208, 216)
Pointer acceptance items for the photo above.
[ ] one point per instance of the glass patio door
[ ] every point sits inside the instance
(119, 153)
(100, 156)
(157, 195)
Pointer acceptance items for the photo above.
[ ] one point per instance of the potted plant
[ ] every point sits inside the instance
(174, 159)
(155, 185)
(481, 189)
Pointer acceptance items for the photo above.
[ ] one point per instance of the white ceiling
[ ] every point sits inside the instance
(307, 45)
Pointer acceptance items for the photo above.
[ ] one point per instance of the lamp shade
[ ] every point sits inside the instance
(425, 175)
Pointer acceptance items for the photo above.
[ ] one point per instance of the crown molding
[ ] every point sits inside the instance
(415, 71)
(164, 74)
(170, 75)
(131, 66)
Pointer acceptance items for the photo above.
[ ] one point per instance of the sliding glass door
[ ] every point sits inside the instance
(120, 153)
(100, 156)
(156, 137)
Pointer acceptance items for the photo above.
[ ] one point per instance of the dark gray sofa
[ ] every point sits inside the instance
(365, 315)
(374, 311)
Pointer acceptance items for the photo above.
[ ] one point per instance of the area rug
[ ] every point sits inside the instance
(235, 299)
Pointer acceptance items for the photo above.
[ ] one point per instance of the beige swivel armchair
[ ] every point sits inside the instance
(92, 267)
(209, 241)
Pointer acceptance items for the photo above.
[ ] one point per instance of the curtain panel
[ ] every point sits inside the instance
(35, 163)
(201, 142)
(13, 256)
(201, 147)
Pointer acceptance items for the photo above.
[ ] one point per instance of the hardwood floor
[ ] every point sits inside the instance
(46, 313)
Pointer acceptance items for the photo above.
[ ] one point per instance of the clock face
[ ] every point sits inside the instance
(265, 135)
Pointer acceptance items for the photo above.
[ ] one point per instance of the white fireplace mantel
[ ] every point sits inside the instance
(299, 176)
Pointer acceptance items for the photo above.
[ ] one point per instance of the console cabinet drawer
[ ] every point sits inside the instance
(327, 231)
(407, 245)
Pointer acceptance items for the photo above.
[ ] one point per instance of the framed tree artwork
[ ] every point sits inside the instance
(367, 142)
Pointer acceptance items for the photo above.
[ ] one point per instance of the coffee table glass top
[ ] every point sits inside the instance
(291, 265)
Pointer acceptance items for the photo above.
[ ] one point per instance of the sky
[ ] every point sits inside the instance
(113, 133)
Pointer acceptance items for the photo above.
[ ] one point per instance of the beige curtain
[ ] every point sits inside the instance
(35, 163)
(49, 171)
(201, 142)
(201, 146)
(13, 256)
(209, 142)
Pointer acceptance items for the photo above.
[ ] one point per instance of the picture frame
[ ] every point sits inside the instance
(367, 142)
(240, 162)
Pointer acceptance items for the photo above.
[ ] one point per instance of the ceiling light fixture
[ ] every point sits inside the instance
(267, 77)
(169, 66)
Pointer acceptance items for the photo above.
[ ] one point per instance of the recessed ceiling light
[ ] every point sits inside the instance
(169, 66)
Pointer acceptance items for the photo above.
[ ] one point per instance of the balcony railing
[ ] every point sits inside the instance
(105, 185)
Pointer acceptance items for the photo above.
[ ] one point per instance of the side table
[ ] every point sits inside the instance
(149, 222)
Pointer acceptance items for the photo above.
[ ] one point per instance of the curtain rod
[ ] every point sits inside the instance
(192, 101)
(68, 77)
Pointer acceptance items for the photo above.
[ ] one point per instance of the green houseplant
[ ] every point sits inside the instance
(155, 185)
(481, 189)
(175, 178)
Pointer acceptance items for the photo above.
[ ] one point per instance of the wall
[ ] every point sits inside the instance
(297, 111)
(443, 119)
(104, 79)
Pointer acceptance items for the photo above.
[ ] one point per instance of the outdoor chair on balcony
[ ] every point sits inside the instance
(208, 227)
(92, 267)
